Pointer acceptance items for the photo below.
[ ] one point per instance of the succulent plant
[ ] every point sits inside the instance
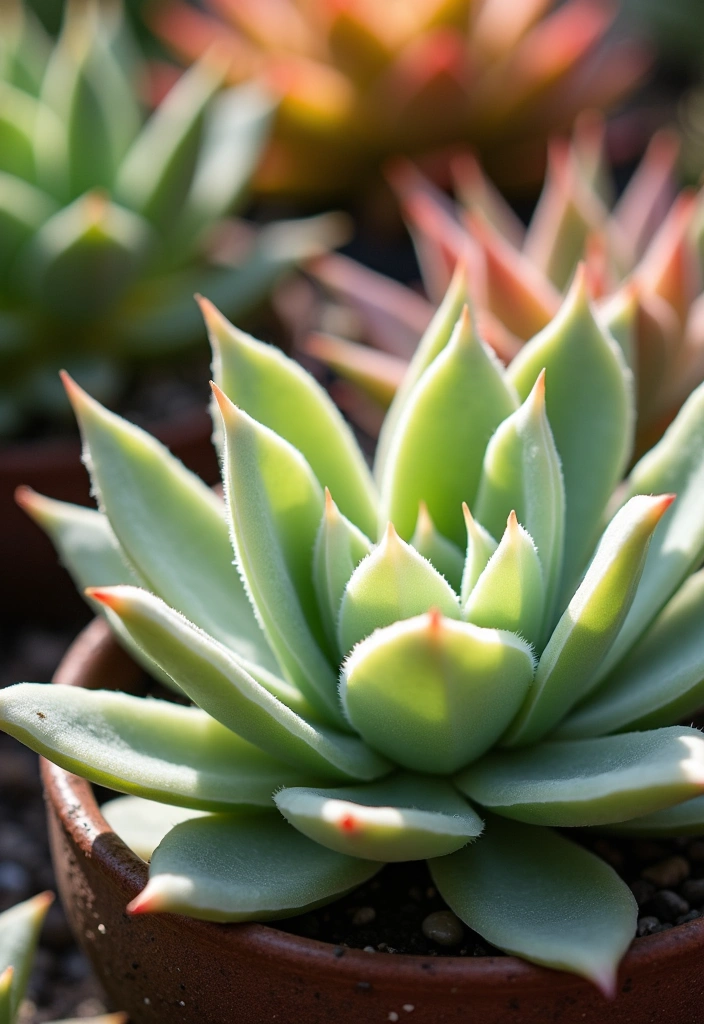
(107, 217)
(643, 258)
(19, 933)
(384, 675)
(360, 81)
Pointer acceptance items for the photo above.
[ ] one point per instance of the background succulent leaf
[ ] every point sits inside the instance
(223, 687)
(404, 817)
(574, 653)
(275, 505)
(535, 894)
(590, 410)
(436, 452)
(480, 547)
(5, 991)
(590, 781)
(442, 554)
(339, 548)
(393, 582)
(243, 868)
(23, 209)
(19, 933)
(661, 679)
(277, 392)
(522, 472)
(154, 749)
(510, 593)
(18, 117)
(433, 694)
(142, 824)
(685, 819)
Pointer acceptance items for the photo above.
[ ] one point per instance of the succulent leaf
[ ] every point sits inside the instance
(480, 547)
(442, 554)
(661, 679)
(142, 824)
(393, 582)
(569, 664)
(221, 685)
(685, 819)
(510, 593)
(19, 933)
(522, 471)
(242, 868)
(591, 781)
(590, 410)
(535, 894)
(18, 117)
(275, 505)
(23, 209)
(277, 392)
(171, 526)
(339, 548)
(404, 817)
(434, 694)
(436, 452)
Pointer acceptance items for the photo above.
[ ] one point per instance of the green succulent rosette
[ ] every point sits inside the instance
(108, 213)
(484, 643)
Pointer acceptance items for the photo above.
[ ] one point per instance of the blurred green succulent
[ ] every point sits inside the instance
(385, 676)
(19, 932)
(107, 216)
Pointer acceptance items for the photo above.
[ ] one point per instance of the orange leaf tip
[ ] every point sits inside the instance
(149, 901)
(434, 621)
(27, 499)
(105, 595)
(330, 506)
(662, 503)
(75, 392)
(6, 978)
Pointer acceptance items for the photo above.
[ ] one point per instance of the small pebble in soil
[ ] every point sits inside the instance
(363, 916)
(668, 873)
(647, 926)
(642, 891)
(668, 905)
(693, 891)
(443, 927)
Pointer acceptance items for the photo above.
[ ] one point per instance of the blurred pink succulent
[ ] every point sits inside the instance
(359, 80)
(642, 257)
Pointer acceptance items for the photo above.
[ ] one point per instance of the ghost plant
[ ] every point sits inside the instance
(643, 257)
(447, 659)
(107, 215)
(19, 933)
(360, 81)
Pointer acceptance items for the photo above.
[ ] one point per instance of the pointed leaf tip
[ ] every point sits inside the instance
(148, 901)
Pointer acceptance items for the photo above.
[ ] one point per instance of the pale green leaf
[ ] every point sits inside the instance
(568, 666)
(23, 209)
(142, 824)
(619, 317)
(220, 684)
(436, 451)
(275, 505)
(590, 410)
(280, 394)
(592, 781)
(522, 472)
(685, 819)
(243, 868)
(480, 547)
(535, 894)
(150, 748)
(404, 817)
(660, 681)
(394, 582)
(434, 694)
(445, 556)
(19, 934)
(510, 593)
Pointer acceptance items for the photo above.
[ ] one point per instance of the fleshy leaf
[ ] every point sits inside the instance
(522, 471)
(445, 556)
(480, 547)
(435, 338)
(590, 410)
(660, 681)
(569, 664)
(394, 582)
(437, 448)
(171, 527)
(510, 593)
(590, 782)
(220, 685)
(675, 464)
(19, 934)
(142, 824)
(535, 894)
(339, 548)
(275, 505)
(243, 868)
(280, 394)
(685, 819)
(434, 694)
(150, 748)
(405, 817)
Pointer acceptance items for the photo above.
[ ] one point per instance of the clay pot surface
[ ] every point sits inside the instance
(35, 587)
(173, 969)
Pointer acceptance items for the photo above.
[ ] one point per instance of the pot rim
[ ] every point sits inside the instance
(96, 654)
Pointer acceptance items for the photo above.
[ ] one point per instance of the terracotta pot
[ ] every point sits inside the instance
(35, 586)
(172, 969)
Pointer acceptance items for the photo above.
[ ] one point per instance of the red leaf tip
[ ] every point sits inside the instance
(103, 595)
(147, 902)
